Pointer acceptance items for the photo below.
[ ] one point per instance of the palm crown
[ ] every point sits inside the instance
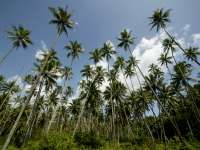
(159, 19)
(125, 39)
(19, 36)
(192, 53)
(96, 55)
(62, 19)
(74, 49)
(108, 50)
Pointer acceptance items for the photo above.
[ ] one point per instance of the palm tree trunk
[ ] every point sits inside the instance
(10, 135)
(82, 110)
(6, 55)
(131, 82)
(126, 81)
(55, 110)
(14, 127)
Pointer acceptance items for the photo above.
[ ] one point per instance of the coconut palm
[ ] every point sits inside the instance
(164, 59)
(120, 65)
(125, 39)
(114, 94)
(20, 37)
(192, 53)
(67, 73)
(62, 20)
(6, 90)
(87, 72)
(96, 55)
(74, 49)
(160, 19)
(130, 72)
(108, 51)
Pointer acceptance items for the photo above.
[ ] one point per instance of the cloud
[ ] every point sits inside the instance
(196, 39)
(40, 51)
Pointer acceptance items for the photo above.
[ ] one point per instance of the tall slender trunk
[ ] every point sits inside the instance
(6, 55)
(125, 81)
(30, 121)
(82, 110)
(10, 135)
(112, 107)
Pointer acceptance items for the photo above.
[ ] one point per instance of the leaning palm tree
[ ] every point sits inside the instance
(159, 20)
(62, 20)
(20, 37)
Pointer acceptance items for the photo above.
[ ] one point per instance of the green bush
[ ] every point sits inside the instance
(54, 141)
(88, 140)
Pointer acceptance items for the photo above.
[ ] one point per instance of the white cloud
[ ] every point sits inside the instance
(39, 55)
(40, 51)
(196, 39)
(185, 29)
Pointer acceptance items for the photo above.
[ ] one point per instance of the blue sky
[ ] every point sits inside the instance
(98, 21)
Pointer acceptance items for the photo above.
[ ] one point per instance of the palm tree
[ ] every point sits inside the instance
(120, 64)
(108, 51)
(159, 20)
(74, 50)
(164, 59)
(6, 90)
(62, 20)
(67, 73)
(129, 72)
(96, 55)
(125, 39)
(88, 87)
(115, 93)
(87, 72)
(192, 53)
(20, 37)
